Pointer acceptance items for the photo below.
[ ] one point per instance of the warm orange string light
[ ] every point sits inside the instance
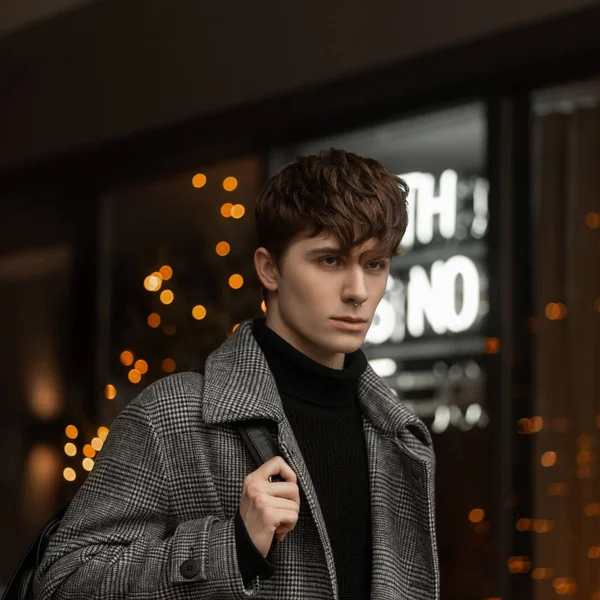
(127, 358)
(230, 184)
(236, 281)
(71, 432)
(199, 180)
(198, 312)
(549, 459)
(154, 320)
(223, 248)
(476, 515)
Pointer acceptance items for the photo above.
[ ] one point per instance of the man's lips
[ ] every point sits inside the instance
(350, 319)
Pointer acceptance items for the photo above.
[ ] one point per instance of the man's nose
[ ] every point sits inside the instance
(355, 289)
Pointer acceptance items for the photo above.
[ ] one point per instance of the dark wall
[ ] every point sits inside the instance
(114, 68)
(16, 14)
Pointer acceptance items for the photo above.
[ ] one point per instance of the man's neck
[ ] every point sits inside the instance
(300, 343)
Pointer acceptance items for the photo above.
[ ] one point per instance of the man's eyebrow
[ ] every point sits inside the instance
(325, 250)
(335, 250)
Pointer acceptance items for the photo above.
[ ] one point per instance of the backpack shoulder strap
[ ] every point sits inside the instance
(259, 439)
(261, 443)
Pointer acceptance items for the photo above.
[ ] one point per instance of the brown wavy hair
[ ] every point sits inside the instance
(353, 198)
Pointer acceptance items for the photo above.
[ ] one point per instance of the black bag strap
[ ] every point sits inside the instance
(261, 443)
(259, 440)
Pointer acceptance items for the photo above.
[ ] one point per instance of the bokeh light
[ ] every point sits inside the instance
(134, 376)
(96, 444)
(199, 180)
(168, 365)
(536, 424)
(230, 184)
(141, 366)
(69, 474)
(127, 358)
(199, 312)
(166, 272)
(548, 459)
(556, 311)
(236, 281)
(238, 211)
(153, 320)
(492, 345)
(592, 220)
(153, 282)
(88, 450)
(223, 248)
(70, 449)
(71, 432)
(476, 515)
(167, 296)
(87, 464)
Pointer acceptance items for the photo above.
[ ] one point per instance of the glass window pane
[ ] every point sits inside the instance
(181, 273)
(427, 339)
(564, 528)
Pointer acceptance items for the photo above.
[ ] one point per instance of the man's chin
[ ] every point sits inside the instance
(347, 346)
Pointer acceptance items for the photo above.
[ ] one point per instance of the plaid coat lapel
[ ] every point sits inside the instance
(401, 468)
(238, 384)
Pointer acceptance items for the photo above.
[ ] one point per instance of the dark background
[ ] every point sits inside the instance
(107, 109)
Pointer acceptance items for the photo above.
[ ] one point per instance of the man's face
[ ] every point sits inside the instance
(312, 304)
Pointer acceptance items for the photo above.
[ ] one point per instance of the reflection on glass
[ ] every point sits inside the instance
(198, 283)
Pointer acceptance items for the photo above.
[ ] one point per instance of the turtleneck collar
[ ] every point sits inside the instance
(299, 376)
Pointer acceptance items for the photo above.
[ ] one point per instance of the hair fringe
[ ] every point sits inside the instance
(353, 198)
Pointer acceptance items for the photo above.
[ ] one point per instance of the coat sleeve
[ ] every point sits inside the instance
(116, 539)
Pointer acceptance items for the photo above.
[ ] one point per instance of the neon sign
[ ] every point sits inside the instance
(444, 296)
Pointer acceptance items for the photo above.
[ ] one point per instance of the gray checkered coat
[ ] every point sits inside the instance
(155, 518)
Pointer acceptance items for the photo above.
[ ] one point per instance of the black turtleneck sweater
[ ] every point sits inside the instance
(322, 407)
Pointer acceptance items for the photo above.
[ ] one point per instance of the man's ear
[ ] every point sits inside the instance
(266, 269)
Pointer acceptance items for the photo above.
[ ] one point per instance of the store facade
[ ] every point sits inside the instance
(496, 291)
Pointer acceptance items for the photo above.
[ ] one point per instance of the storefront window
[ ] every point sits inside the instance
(179, 275)
(564, 527)
(427, 339)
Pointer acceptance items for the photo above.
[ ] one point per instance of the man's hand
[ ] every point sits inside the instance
(269, 509)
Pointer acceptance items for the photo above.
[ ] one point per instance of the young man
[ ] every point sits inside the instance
(175, 507)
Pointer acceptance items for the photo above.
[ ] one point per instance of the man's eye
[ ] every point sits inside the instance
(329, 261)
(376, 265)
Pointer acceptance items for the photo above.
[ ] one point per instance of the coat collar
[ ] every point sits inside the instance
(238, 371)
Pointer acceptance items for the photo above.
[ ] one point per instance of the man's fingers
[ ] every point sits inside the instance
(284, 490)
(285, 520)
(277, 466)
(284, 504)
(270, 507)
